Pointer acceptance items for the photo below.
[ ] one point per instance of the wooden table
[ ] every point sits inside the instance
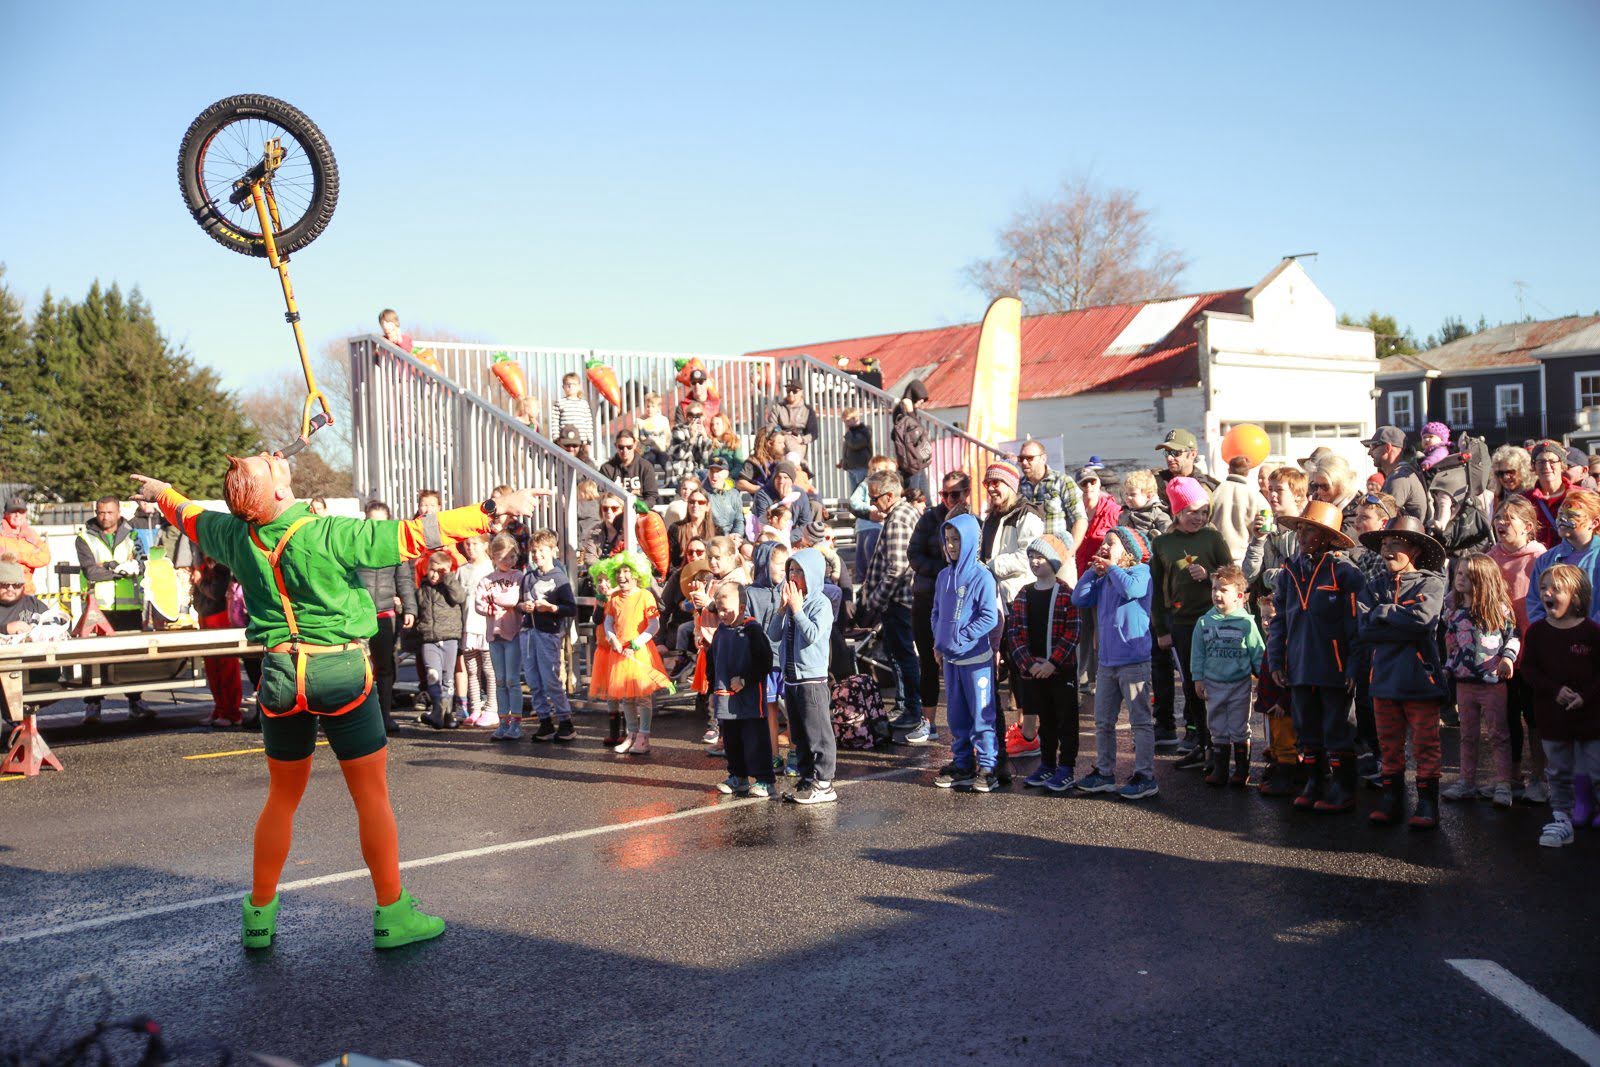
(159, 660)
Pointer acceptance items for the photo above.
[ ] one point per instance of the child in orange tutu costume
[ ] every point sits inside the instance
(627, 667)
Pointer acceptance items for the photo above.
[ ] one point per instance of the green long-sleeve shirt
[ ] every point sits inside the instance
(1179, 599)
(1227, 648)
(319, 565)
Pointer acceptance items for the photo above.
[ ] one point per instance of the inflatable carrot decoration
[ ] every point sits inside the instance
(651, 532)
(509, 372)
(687, 367)
(604, 379)
(425, 357)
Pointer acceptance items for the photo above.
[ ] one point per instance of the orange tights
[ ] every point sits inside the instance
(368, 781)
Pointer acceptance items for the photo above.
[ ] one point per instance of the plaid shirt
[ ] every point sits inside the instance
(1063, 631)
(1057, 497)
(888, 577)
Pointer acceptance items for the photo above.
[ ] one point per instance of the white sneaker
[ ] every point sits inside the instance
(1502, 795)
(711, 736)
(1557, 832)
(1461, 789)
(626, 746)
(1537, 792)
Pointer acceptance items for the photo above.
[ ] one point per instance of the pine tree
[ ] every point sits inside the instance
(17, 388)
(115, 398)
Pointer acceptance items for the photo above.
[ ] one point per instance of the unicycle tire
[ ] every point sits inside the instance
(217, 149)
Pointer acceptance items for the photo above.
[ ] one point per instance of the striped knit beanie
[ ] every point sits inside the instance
(1133, 542)
(1005, 472)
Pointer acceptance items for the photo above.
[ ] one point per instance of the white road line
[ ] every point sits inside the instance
(424, 861)
(1534, 1007)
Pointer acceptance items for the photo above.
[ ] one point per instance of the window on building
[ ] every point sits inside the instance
(1324, 429)
(1587, 388)
(1458, 407)
(1507, 403)
(1402, 410)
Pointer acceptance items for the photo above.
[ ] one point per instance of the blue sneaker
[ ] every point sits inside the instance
(1041, 777)
(1138, 787)
(1062, 781)
(906, 720)
(1097, 783)
(733, 785)
(922, 735)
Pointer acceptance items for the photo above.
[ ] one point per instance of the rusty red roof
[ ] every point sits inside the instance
(1510, 345)
(1063, 354)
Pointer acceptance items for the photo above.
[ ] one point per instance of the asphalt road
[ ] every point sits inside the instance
(623, 911)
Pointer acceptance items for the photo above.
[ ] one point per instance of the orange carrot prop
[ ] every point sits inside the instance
(687, 367)
(509, 372)
(604, 379)
(651, 532)
(425, 357)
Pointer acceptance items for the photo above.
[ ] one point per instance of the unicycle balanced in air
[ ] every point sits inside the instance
(259, 177)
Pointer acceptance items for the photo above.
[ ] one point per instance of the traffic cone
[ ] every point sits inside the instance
(27, 751)
(93, 621)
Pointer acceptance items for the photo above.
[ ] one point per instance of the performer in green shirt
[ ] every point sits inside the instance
(308, 607)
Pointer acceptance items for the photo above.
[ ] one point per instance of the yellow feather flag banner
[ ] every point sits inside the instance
(996, 378)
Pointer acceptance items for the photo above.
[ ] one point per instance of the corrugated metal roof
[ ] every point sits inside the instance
(1578, 342)
(1063, 354)
(1511, 345)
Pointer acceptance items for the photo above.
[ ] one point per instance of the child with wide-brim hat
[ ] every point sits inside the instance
(1319, 515)
(1430, 553)
(1310, 649)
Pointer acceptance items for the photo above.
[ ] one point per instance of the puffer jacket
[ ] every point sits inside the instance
(439, 616)
(1400, 625)
(383, 584)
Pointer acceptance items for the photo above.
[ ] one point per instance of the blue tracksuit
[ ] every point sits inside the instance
(966, 613)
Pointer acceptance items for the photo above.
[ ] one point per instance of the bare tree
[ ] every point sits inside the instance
(1084, 247)
(273, 408)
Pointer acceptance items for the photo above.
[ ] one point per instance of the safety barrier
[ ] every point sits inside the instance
(832, 392)
(414, 429)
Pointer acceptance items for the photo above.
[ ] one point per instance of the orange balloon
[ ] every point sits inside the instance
(1248, 440)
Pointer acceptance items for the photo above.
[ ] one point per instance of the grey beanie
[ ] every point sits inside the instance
(1042, 548)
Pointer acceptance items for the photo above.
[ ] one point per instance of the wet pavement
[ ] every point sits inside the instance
(604, 908)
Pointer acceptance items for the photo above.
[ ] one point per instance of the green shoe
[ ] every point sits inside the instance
(260, 924)
(402, 923)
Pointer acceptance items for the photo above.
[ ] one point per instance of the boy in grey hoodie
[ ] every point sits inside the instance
(801, 631)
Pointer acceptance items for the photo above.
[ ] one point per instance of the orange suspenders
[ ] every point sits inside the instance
(299, 653)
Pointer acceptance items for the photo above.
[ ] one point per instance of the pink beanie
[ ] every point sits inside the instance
(1185, 493)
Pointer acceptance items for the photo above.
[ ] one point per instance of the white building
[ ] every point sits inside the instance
(1111, 381)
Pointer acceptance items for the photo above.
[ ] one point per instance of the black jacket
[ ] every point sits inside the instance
(439, 609)
(638, 477)
(926, 551)
(385, 583)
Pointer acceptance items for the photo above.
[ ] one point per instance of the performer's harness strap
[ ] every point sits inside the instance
(273, 556)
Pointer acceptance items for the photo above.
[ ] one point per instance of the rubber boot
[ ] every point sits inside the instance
(431, 718)
(260, 924)
(1315, 766)
(1341, 792)
(1582, 800)
(1217, 769)
(1279, 780)
(1426, 817)
(403, 923)
(1391, 802)
(614, 733)
(1241, 765)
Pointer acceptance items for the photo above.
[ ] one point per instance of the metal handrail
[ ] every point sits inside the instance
(471, 418)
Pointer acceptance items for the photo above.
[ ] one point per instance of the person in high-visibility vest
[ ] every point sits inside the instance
(306, 606)
(112, 562)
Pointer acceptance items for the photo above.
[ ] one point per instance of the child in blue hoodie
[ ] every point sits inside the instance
(1118, 588)
(966, 614)
(738, 659)
(801, 632)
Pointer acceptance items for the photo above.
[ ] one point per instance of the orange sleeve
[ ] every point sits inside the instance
(181, 512)
(443, 528)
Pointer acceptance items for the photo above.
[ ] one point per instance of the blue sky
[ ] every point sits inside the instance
(721, 178)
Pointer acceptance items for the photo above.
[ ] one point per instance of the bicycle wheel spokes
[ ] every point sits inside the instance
(230, 153)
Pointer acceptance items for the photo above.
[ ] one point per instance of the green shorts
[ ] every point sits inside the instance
(331, 681)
